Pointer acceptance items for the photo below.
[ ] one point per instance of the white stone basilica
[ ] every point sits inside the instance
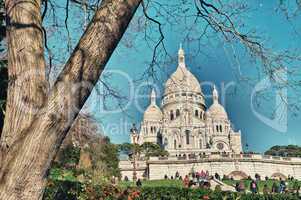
(183, 124)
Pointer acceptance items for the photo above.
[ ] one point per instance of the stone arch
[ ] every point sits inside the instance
(196, 113)
(171, 115)
(176, 138)
(187, 137)
(200, 144)
(238, 175)
(165, 142)
(160, 139)
(278, 175)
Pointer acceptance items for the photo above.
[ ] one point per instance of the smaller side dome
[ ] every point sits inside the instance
(153, 112)
(216, 110)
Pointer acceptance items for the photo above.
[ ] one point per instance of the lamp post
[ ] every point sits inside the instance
(134, 134)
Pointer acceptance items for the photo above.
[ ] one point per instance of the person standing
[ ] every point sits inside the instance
(275, 188)
(139, 183)
(253, 187)
(186, 181)
(241, 186)
(282, 186)
(237, 187)
(177, 175)
(265, 189)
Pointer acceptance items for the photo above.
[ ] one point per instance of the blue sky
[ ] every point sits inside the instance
(215, 64)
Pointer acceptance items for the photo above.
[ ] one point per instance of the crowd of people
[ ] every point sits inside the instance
(278, 186)
(193, 179)
(202, 179)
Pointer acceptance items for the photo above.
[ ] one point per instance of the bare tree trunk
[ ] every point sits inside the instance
(24, 165)
(27, 87)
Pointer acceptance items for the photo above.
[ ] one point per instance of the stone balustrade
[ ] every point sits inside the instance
(224, 164)
(227, 156)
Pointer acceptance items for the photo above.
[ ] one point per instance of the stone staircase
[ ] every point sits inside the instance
(214, 182)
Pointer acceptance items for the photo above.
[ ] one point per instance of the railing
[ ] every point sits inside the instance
(228, 156)
(266, 157)
(163, 158)
(247, 155)
(182, 158)
(276, 157)
(192, 157)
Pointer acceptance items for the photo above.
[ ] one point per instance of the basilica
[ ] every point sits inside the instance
(197, 137)
(183, 124)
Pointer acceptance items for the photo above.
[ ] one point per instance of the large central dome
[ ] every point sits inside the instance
(182, 80)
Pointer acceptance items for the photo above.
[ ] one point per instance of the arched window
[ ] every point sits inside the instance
(165, 142)
(171, 115)
(217, 129)
(177, 113)
(159, 139)
(155, 129)
(220, 128)
(196, 113)
(151, 129)
(175, 144)
(187, 136)
(201, 144)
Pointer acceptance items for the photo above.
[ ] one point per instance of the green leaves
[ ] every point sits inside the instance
(147, 148)
(70, 155)
(175, 193)
(290, 150)
(67, 189)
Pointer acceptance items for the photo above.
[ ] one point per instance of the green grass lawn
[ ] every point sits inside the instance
(260, 184)
(154, 183)
(178, 183)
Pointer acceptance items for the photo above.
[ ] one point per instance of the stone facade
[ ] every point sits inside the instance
(183, 124)
(234, 166)
(196, 137)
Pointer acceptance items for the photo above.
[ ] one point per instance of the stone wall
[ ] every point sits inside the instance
(237, 168)
(126, 169)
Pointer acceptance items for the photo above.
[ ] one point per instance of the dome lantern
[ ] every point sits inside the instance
(153, 97)
(215, 94)
(181, 56)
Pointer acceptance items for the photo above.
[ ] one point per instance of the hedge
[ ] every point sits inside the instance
(173, 193)
(60, 190)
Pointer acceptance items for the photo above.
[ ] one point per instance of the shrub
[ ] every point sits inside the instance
(175, 193)
(85, 191)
